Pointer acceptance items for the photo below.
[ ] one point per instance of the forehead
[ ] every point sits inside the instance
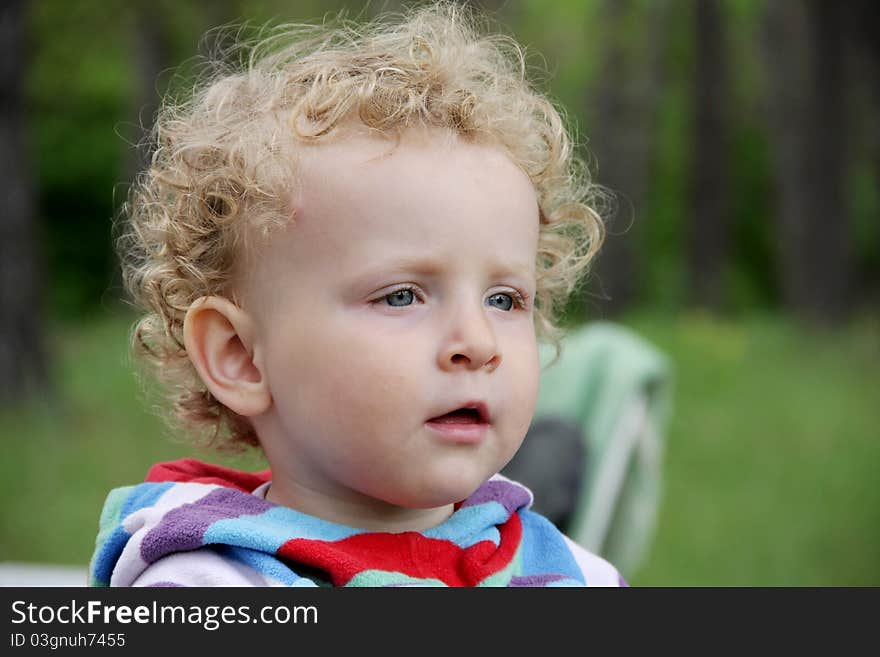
(366, 199)
(426, 174)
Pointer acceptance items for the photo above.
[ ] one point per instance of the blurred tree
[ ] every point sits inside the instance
(78, 90)
(150, 47)
(157, 48)
(863, 27)
(751, 271)
(151, 54)
(22, 358)
(627, 95)
(709, 240)
(809, 127)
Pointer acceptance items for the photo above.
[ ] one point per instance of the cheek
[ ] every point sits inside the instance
(527, 394)
(344, 370)
(523, 373)
(520, 349)
(367, 390)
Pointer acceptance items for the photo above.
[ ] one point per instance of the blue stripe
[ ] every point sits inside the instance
(266, 565)
(544, 549)
(270, 530)
(459, 529)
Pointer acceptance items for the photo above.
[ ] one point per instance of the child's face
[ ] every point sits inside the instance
(390, 301)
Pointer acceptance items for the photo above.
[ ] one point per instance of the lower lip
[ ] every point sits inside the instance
(466, 434)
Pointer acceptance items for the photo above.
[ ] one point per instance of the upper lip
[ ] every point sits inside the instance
(481, 407)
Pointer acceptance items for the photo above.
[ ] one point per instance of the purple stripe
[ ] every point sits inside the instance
(621, 581)
(511, 496)
(535, 580)
(184, 527)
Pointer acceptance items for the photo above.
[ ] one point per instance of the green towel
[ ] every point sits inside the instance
(617, 388)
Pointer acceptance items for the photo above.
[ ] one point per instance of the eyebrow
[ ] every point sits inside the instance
(431, 267)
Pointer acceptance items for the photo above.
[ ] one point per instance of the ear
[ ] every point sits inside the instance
(219, 341)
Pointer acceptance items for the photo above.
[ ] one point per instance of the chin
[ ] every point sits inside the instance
(448, 490)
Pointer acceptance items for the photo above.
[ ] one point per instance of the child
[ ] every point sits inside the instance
(345, 253)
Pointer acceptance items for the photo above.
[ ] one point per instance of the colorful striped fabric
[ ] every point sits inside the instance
(196, 524)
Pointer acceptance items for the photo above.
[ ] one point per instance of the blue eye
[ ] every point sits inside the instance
(500, 301)
(400, 298)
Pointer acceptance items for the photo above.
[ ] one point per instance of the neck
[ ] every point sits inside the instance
(362, 513)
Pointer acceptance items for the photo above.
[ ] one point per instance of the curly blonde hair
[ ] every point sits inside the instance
(220, 168)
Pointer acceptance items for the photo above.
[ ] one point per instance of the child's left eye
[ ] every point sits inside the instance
(501, 301)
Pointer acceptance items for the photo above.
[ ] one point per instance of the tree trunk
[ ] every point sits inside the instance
(708, 240)
(627, 96)
(829, 230)
(23, 370)
(862, 25)
(807, 78)
(150, 56)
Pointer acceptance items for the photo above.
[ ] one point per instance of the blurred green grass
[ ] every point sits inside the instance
(772, 457)
(771, 466)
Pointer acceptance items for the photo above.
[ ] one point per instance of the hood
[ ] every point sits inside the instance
(198, 472)
(192, 507)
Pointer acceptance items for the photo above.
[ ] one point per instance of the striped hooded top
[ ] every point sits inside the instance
(195, 524)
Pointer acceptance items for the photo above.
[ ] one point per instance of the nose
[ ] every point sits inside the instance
(471, 344)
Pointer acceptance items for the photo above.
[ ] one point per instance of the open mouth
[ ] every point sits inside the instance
(469, 424)
(461, 416)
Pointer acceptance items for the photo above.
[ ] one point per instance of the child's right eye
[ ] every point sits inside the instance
(399, 298)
